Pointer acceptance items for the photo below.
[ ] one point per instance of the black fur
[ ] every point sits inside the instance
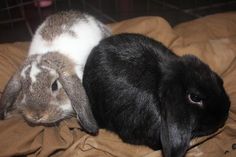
(139, 89)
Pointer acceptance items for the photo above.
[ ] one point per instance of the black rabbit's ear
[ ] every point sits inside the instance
(10, 94)
(76, 93)
(176, 122)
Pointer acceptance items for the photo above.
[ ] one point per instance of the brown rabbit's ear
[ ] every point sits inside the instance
(76, 93)
(10, 94)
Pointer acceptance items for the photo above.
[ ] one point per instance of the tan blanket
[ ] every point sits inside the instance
(212, 38)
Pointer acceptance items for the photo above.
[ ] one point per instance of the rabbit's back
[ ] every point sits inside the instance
(66, 31)
(72, 34)
(121, 78)
(129, 59)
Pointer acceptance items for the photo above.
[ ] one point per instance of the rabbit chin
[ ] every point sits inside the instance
(50, 117)
(44, 120)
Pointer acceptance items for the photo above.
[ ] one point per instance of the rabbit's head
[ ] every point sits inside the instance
(46, 90)
(193, 103)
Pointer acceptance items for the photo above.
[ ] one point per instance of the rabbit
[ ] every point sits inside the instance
(71, 33)
(48, 88)
(149, 96)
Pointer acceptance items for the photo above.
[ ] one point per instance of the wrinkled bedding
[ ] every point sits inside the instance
(211, 38)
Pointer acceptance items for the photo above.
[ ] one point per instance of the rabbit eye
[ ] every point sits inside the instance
(195, 99)
(54, 86)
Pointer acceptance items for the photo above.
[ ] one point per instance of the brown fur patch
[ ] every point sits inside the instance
(58, 62)
(60, 23)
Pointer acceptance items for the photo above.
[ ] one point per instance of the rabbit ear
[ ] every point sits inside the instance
(176, 123)
(76, 93)
(105, 30)
(10, 94)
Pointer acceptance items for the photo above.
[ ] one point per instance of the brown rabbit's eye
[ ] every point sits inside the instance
(54, 86)
(195, 99)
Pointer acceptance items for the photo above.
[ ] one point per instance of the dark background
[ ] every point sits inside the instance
(20, 18)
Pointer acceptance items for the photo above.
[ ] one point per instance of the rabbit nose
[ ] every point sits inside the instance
(41, 117)
(38, 116)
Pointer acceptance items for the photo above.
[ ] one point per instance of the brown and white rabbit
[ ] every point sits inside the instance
(145, 93)
(71, 33)
(47, 88)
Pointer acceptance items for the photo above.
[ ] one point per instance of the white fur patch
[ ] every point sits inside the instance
(67, 107)
(51, 71)
(63, 27)
(77, 48)
(79, 71)
(59, 85)
(23, 72)
(23, 100)
(39, 58)
(34, 72)
(31, 88)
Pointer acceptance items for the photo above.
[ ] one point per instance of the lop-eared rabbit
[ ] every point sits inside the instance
(47, 87)
(146, 94)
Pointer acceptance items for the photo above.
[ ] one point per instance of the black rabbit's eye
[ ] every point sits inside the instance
(54, 86)
(195, 99)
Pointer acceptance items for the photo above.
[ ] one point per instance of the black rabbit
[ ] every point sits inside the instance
(145, 93)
